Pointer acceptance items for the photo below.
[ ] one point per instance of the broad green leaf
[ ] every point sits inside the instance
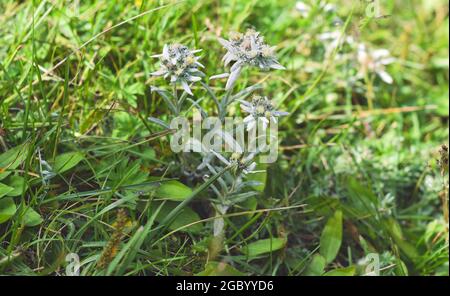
(31, 218)
(346, 271)
(259, 176)
(5, 190)
(11, 159)
(7, 209)
(317, 266)
(66, 161)
(18, 184)
(173, 190)
(185, 217)
(220, 269)
(402, 270)
(362, 197)
(331, 238)
(397, 234)
(264, 246)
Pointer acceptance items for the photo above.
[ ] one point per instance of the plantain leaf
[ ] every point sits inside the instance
(11, 159)
(317, 266)
(264, 246)
(18, 184)
(31, 218)
(173, 190)
(346, 271)
(66, 161)
(7, 209)
(220, 269)
(185, 217)
(5, 190)
(331, 238)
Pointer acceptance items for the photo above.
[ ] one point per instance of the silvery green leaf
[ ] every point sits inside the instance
(228, 57)
(158, 73)
(240, 197)
(280, 113)
(235, 67)
(199, 64)
(251, 124)
(194, 78)
(232, 79)
(165, 52)
(250, 183)
(195, 103)
(165, 95)
(159, 122)
(212, 95)
(385, 77)
(186, 87)
(277, 66)
(219, 76)
(231, 142)
(245, 92)
(224, 43)
(249, 118)
(220, 157)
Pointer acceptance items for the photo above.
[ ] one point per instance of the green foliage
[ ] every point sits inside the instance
(331, 238)
(219, 269)
(7, 209)
(173, 190)
(66, 161)
(264, 246)
(82, 135)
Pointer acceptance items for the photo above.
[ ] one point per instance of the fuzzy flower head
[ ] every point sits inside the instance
(244, 164)
(304, 9)
(333, 40)
(248, 49)
(374, 61)
(180, 64)
(260, 108)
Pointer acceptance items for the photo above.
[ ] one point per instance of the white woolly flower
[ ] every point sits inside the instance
(333, 40)
(248, 49)
(180, 64)
(244, 163)
(45, 169)
(260, 108)
(303, 9)
(374, 61)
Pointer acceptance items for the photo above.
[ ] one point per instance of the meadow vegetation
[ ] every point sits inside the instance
(87, 170)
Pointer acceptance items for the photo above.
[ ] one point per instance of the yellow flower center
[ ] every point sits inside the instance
(260, 109)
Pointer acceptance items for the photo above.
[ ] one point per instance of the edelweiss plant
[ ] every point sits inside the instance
(374, 61)
(333, 40)
(248, 49)
(304, 9)
(260, 108)
(180, 64)
(243, 163)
